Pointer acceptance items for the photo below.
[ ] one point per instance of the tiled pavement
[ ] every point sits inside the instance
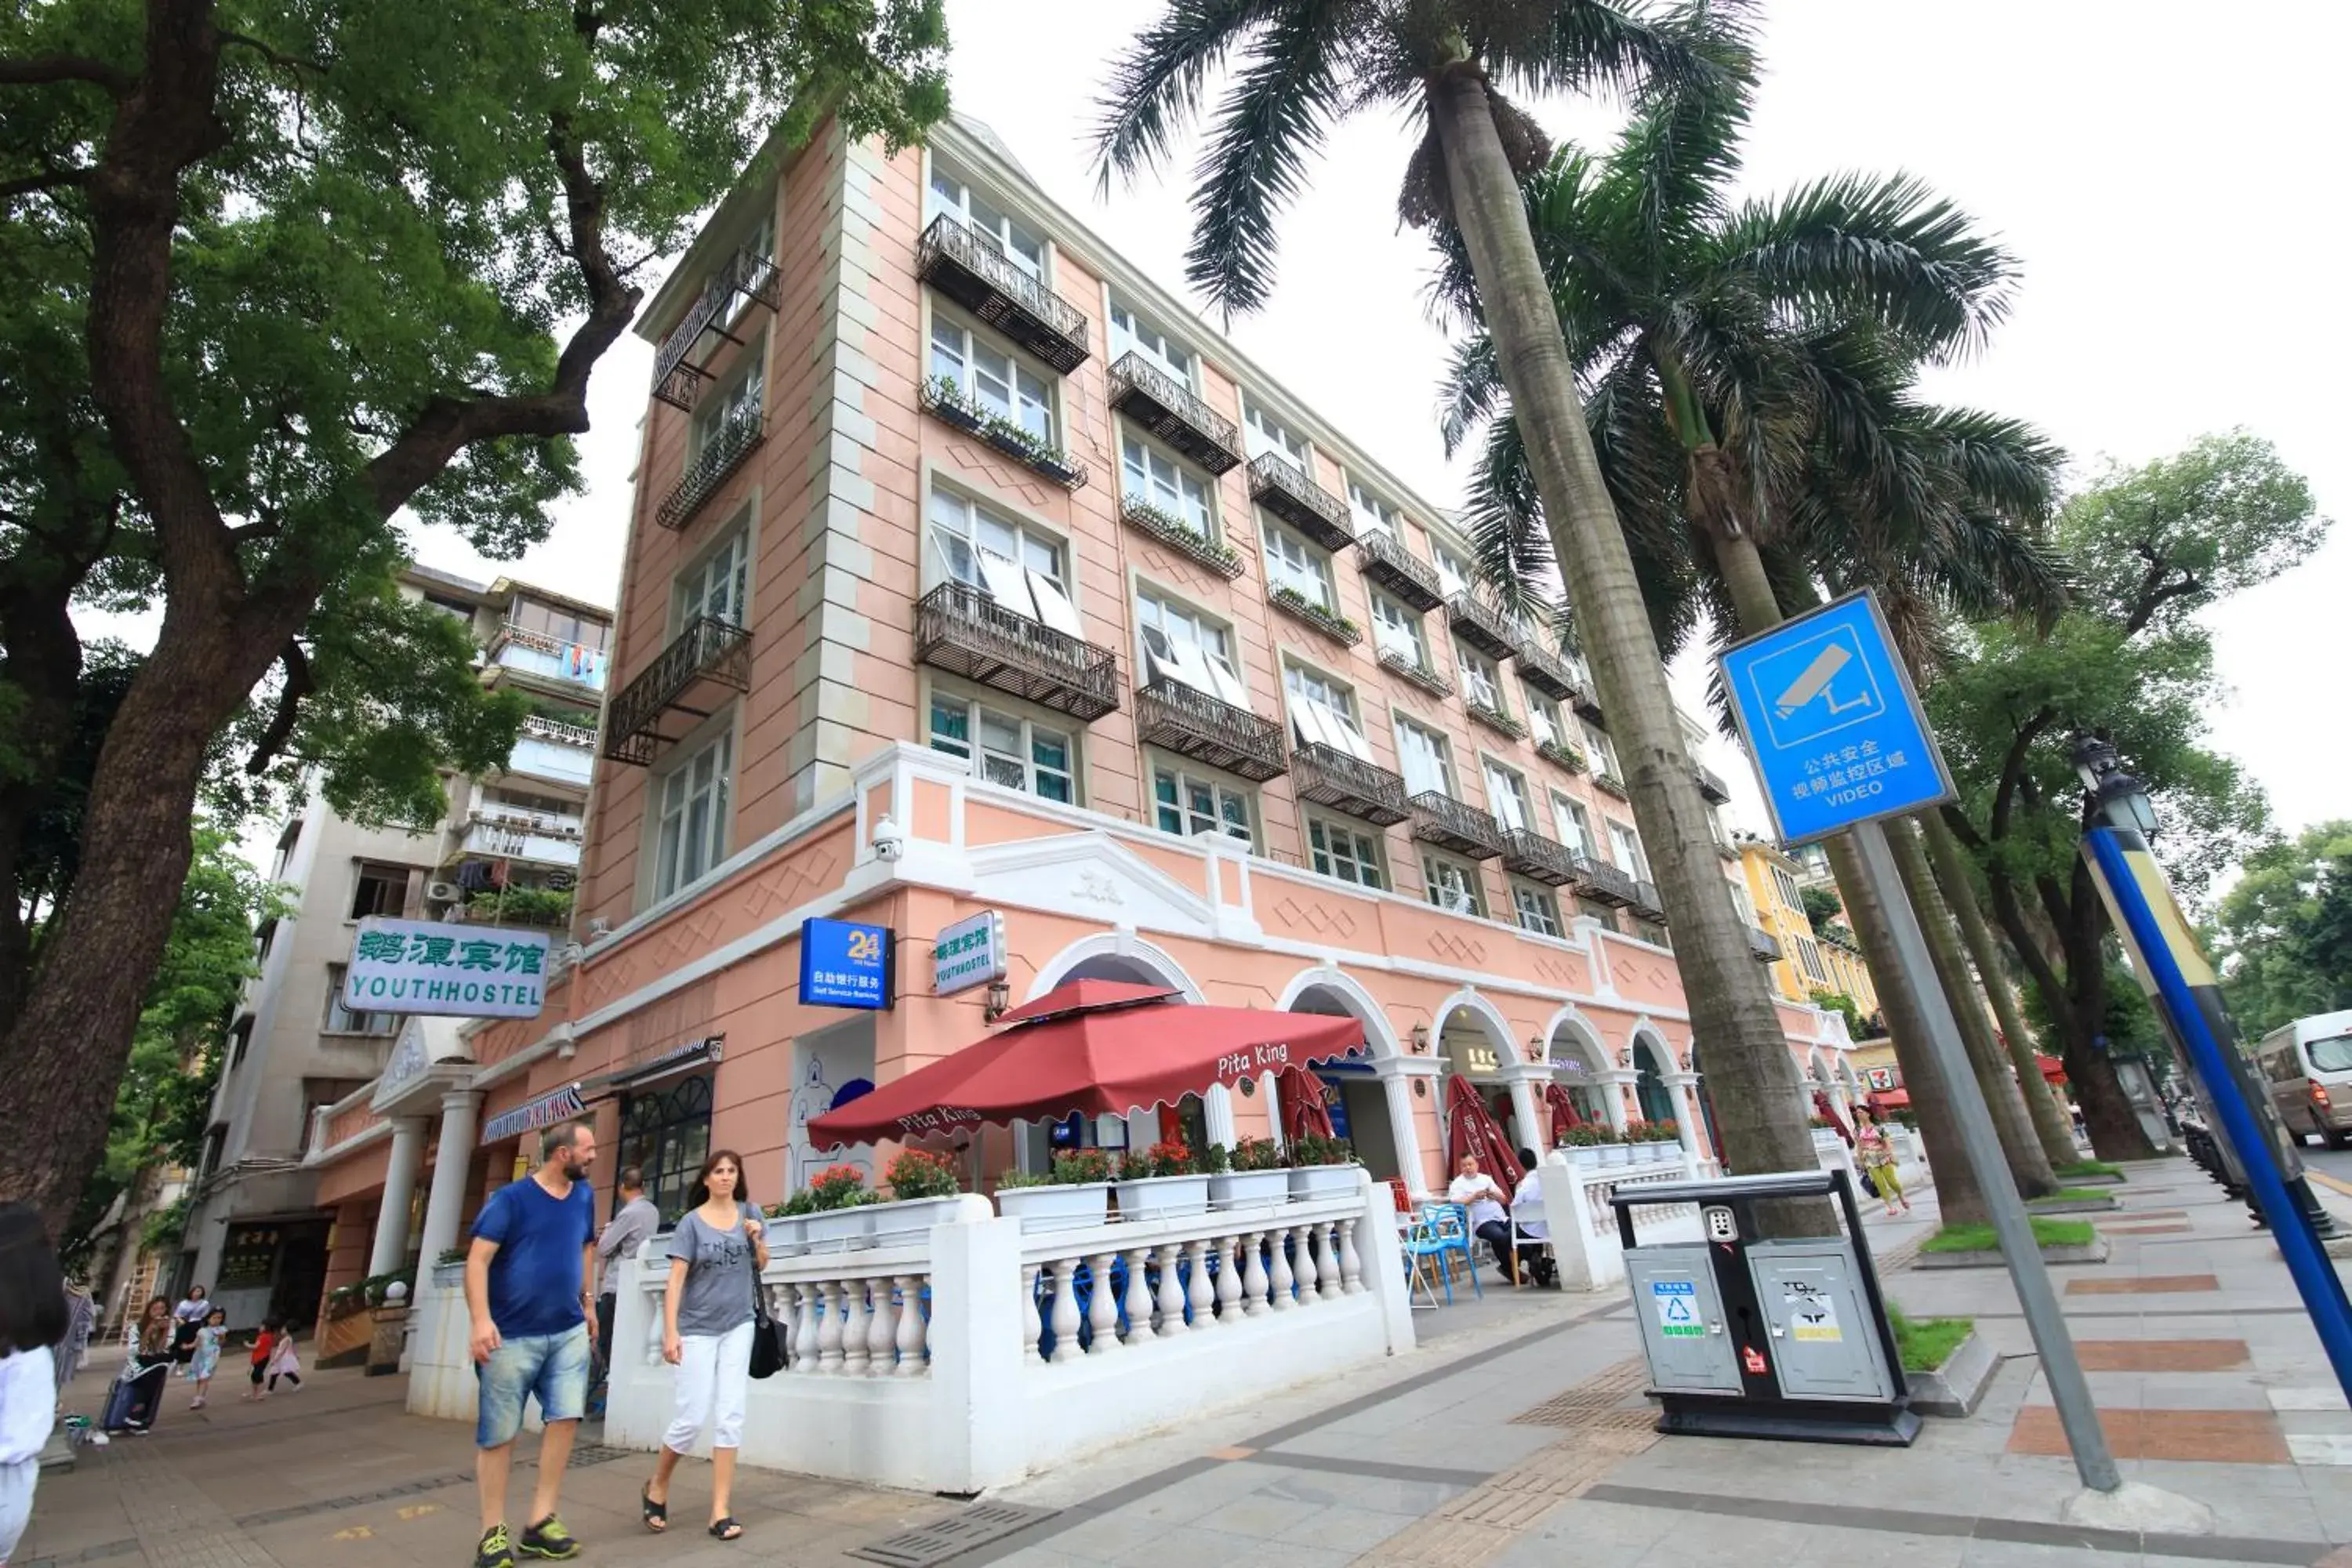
(1518, 1436)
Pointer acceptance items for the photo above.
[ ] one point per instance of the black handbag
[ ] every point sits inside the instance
(767, 1337)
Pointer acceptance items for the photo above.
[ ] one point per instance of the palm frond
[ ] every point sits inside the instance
(1503, 518)
(1600, 47)
(1470, 393)
(1157, 81)
(1677, 158)
(2003, 463)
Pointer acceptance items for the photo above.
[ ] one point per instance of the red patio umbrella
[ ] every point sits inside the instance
(1096, 1047)
(1471, 1129)
(1305, 1106)
(1563, 1111)
(2052, 1069)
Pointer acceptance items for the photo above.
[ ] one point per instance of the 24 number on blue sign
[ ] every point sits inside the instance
(844, 965)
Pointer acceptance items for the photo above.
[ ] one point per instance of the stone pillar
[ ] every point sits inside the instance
(446, 1199)
(399, 1192)
(1682, 1088)
(1397, 1075)
(1618, 1083)
(1527, 1108)
(1217, 1114)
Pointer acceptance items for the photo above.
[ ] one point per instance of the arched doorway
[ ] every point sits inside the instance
(1476, 1044)
(1650, 1064)
(1357, 1098)
(1580, 1066)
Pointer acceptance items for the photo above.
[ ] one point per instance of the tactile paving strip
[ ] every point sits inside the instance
(952, 1536)
(1600, 1402)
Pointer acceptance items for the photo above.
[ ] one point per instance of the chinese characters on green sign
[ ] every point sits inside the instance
(463, 971)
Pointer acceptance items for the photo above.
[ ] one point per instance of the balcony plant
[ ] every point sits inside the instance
(924, 1191)
(1214, 553)
(837, 1220)
(1617, 1148)
(547, 907)
(1563, 754)
(1329, 622)
(1321, 1167)
(1496, 720)
(953, 405)
(1075, 1195)
(1258, 1177)
(1165, 1183)
(1610, 782)
(1584, 1142)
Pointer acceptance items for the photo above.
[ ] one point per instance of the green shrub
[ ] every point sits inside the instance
(1980, 1237)
(1928, 1342)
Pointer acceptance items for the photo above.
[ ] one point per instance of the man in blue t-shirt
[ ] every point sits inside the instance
(527, 1278)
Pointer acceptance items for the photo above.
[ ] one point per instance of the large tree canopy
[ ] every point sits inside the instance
(2285, 930)
(273, 274)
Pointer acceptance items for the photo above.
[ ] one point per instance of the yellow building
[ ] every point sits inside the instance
(1808, 963)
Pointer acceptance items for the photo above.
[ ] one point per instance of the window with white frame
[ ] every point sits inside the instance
(950, 194)
(760, 242)
(1012, 751)
(1543, 716)
(965, 535)
(721, 587)
(1809, 958)
(739, 400)
(1625, 845)
(1507, 794)
(1603, 755)
(1154, 476)
(1453, 569)
(1336, 703)
(1190, 802)
(1482, 682)
(1372, 514)
(690, 823)
(1572, 823)
(1262, 433)
(1291, 562)
(1397, 630)
(341, 1020)
(1184, 626)
(1537, 910)
(1743, 904)
(1451, 885)
(1786, 886)
(991, 377)
(1348, 853)
(1593, 908)
(1131, 330)
(1424, 758)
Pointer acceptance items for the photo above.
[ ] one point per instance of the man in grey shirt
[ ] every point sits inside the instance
(623, 1234)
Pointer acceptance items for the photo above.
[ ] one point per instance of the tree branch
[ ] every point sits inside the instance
(1963, 829)
(2012, 768)
(298, 686)
(2020, 932)
(46, 69)
(49, 180)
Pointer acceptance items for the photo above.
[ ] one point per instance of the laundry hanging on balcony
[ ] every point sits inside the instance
(1095, 1047)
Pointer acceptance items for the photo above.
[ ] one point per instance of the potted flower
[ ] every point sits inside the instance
(837, 1219)
(1665, 1142)
(1074, 1196)
(924, 1190)
(1584, 1142)
(1166, 1183)
(1321, 1167)
(1617, 1149)
(1258, 1176)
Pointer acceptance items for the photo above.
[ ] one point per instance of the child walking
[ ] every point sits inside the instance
(285, 1360)
(207, 1360)
(265, 1344)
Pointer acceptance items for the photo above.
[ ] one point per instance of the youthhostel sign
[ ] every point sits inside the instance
(461, 970)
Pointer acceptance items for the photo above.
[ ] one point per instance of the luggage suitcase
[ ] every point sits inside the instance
(118, 1400)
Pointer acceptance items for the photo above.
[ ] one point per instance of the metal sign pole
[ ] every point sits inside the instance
(2060, 1366)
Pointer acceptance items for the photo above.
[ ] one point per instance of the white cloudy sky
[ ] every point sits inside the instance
(2171, 178)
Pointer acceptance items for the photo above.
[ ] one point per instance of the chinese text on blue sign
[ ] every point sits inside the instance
(1831, 720)
(844, 965)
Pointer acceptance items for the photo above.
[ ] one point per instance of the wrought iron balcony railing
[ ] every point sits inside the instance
(709, 651)
(952, 404)
(1586, 700)
(1414, 671)
(737, 438)
(959, 628)
(1561, 755)
(1412, 581)
(972, 269)
(1711, 784)
(1330, 622)
(1181, 536)
(1763, 944)
(1610, 783)
(1282, 488)
(1545, 672)
(1648, 903)
(1538, 859)
(1170, 714)
(1494, 718)
(679, 381)
(1333, 778)
(1165, 408)
(1604, 884)
(1481, 626)
(1438, 818)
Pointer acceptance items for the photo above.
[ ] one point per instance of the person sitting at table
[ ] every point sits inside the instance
(1526, 1212)
(1477, 1192)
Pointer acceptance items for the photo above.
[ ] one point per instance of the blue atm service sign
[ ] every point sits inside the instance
(1827, 710)
(844, 965)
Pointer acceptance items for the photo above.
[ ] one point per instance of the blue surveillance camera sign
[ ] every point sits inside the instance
(1835, 731)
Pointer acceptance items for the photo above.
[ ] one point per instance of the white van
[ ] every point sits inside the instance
(2308, 1064)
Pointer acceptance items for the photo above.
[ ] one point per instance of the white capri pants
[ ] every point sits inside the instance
(17, 1483)
(714, 1378)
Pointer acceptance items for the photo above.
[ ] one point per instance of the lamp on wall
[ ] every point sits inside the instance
(1000, 1002)
(1420, 1039)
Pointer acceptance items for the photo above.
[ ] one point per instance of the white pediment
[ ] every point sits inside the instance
(424, 1041)
(1091, 874)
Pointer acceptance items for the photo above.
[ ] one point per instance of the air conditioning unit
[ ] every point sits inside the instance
(444, 892)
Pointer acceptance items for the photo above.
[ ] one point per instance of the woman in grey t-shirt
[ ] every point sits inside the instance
(716, 1257)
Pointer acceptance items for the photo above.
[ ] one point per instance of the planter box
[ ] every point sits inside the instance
(1616, 1153)
(838, 1230)
(1585, 1156)
(787, 1234)
(1324, 1181)
(897, 1222)
(1249, 1189)
(1162, 1198)
(1989, 1258)
(448, 1275)
(1957, 1387)
(1055, 1208)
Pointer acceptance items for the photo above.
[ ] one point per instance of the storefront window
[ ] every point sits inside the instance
(666, 1132)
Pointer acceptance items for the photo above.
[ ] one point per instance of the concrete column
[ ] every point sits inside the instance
(399, 1189)
(1217, 1113)
(1616, 1084)
(445, 1200)
(1526, 1109)
(1680, 1087)
(1396, 1082)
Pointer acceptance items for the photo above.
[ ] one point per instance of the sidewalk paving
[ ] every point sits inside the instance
(1517, 1435)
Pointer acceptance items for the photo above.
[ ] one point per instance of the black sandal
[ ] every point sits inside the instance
(657, 1514)
(727, 1529)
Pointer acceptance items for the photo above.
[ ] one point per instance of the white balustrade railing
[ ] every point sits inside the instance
(846, 1314)
(1582, 1222)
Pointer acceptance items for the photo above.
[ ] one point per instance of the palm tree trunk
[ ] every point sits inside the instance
(1752, 1074)
(2051, 1125)
(2029, 1166)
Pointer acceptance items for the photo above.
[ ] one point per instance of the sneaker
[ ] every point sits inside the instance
(495, 1550)
(550, 1539)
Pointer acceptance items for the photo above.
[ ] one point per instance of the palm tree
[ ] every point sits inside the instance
(1299, 66)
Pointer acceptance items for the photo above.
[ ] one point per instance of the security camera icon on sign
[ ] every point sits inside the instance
(1815, 687)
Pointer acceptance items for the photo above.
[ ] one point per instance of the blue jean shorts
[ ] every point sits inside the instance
(552, 1367)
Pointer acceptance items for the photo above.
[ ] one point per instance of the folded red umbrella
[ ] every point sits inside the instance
(1563, 1113)
(1095, 1047)
(1305, 1106)
(1471, 1129)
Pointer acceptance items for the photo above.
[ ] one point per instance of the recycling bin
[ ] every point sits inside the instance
(1749, 1336)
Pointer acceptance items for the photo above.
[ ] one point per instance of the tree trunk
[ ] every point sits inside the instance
(2051, 1124)
(2028, 1165)
(1749, 1067)
(2107, 1114)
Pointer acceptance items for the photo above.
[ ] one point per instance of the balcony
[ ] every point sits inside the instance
(1538, 858)
(1727, 852)
(1480, 624)
(950, 404)
(1438, 818)
(1587, 701)
(1167, 409)
(1494, 718)
(560, 753)
(968, 267)
(1410, 580)
(1545, 672)
(1763, 945)
(1333, 778)
(1329, 622)
(960, 629)
(1181, 536)
(1648, 904)
(1196, 725)
(1605, 780)
(1711, 784)
(1604, 884)
(748, 275)
(1414, 671)
(543, 840)
(528, 652)
(1561, 756)
(709, 653)
(737, 438)
(1279, 484)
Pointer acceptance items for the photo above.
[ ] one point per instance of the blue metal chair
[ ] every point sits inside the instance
(1439, 1231)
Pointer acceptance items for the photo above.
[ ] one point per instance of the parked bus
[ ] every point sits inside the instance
(2308, 1064)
